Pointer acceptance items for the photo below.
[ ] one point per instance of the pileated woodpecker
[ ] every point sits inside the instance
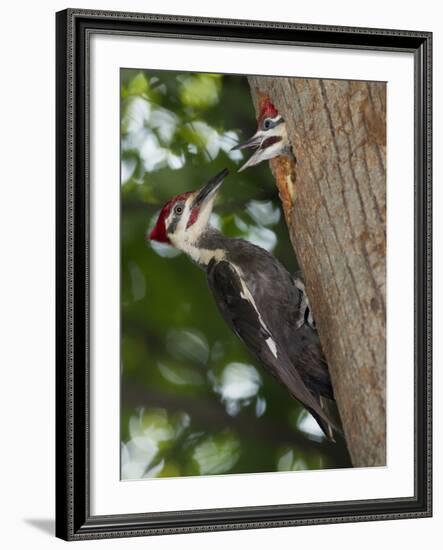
(264, 305)
(271, 138)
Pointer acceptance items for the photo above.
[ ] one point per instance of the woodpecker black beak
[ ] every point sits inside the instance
(252, 142)
(209, 190)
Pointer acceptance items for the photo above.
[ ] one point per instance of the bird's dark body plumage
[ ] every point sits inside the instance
(265, 306)
(269, 318)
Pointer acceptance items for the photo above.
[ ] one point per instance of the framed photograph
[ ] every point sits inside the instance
(243, 274)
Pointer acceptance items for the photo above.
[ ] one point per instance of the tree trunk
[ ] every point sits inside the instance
(334, 199)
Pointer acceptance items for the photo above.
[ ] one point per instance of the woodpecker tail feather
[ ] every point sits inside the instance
(335, 425)
(326, 428)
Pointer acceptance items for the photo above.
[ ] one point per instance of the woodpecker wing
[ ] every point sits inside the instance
(237, 307)
(304, 350)
(283, 305)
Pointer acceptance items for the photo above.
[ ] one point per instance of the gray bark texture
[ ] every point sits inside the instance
(334, 199)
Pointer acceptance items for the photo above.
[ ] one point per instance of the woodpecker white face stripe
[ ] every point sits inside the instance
(186, 237)
(267, 148)
(269, 123)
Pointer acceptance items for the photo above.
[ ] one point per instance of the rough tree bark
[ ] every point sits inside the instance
(334, 199)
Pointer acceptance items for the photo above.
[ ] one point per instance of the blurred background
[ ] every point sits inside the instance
(193, 400)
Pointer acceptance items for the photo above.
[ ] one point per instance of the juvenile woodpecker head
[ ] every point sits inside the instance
(185, 217)
(270, 140)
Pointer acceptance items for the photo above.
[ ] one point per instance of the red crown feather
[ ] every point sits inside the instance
(266, 108)
(159, 232)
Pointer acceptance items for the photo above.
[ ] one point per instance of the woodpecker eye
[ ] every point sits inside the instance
(267, 123)
(178, 210)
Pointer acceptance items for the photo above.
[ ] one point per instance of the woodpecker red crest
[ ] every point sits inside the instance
(263, 304)
(266, 109)
(159, 232)
(271, 138)
(182, 219)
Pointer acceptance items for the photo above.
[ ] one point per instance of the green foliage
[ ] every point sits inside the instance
(200, 91)
(194, 401)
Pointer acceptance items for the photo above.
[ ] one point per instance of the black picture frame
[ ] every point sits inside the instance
(74, 28)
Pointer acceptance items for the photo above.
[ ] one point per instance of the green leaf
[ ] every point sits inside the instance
(139, 85)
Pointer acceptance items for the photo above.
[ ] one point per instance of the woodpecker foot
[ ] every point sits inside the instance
(305, 307)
